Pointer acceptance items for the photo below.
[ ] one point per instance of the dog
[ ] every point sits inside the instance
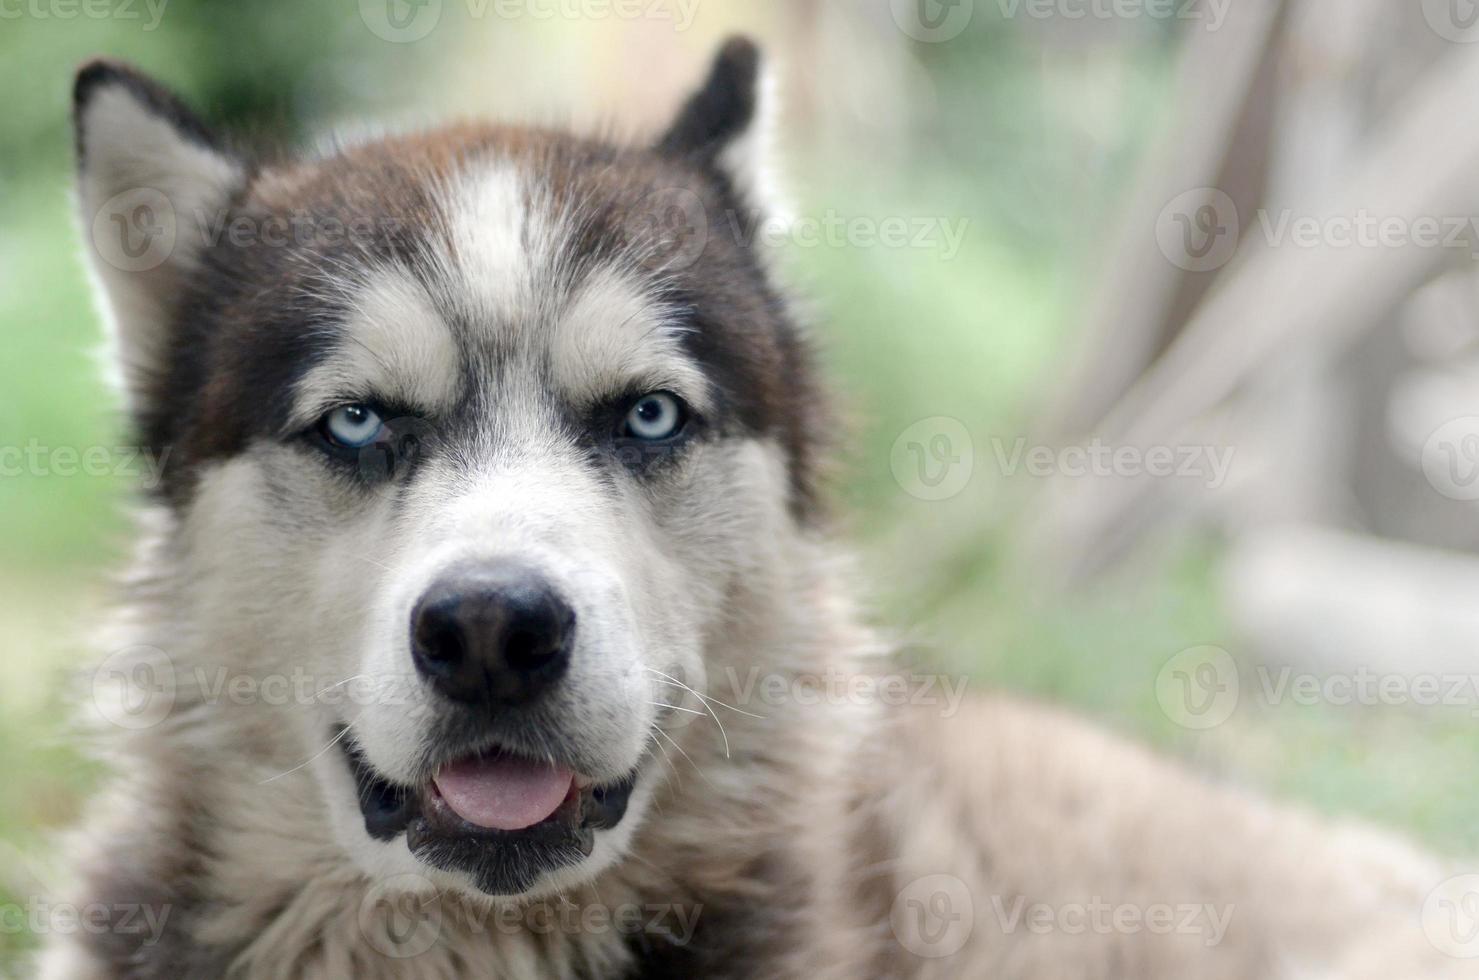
(495, 466)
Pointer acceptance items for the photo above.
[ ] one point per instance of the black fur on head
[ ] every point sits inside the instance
(722, 109)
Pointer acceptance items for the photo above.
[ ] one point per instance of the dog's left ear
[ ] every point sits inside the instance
(726, 125)
(149, 175)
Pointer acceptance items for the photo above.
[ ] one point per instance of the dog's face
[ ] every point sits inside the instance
(487, 425)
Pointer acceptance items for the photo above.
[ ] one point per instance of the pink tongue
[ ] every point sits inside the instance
(502, 792)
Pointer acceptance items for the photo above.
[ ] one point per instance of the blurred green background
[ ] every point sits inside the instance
(1030, 142)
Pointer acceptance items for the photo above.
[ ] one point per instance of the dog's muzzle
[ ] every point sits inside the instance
(493, 641)
(501, 860)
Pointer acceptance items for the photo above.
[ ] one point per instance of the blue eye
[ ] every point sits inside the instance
(655, 417)
(353, 426)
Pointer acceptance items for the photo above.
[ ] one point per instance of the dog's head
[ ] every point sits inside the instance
(490, 425)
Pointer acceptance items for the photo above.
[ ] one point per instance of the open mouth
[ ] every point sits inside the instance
(501, 818)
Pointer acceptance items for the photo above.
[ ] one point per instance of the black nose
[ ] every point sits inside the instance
(495, 634)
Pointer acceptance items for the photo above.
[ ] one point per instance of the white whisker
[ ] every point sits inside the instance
(706, 699)
(368, 560)
(701, 700)
(347, 680)
(332, 742)
(701, 773)
(665, 756)
(674, 707)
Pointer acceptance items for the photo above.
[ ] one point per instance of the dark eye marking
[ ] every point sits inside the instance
(367, 437)
(643, 428)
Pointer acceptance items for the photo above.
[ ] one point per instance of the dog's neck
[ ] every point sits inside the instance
(194, 832)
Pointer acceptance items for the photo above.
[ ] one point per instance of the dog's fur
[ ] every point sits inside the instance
(511, 286)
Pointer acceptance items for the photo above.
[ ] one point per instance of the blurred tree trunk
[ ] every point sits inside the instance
(1288, 355)
(1219, 137)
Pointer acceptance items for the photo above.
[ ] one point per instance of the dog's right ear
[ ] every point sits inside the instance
(149, 173)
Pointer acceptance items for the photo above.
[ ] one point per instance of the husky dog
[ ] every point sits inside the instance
(494, 481)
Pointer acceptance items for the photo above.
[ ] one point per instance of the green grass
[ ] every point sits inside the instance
(61, 534)
(53, 399)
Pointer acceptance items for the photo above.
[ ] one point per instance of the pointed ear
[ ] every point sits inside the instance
(148, 172)
(727, 125)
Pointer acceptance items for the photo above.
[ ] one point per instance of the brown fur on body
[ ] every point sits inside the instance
(792, 851)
